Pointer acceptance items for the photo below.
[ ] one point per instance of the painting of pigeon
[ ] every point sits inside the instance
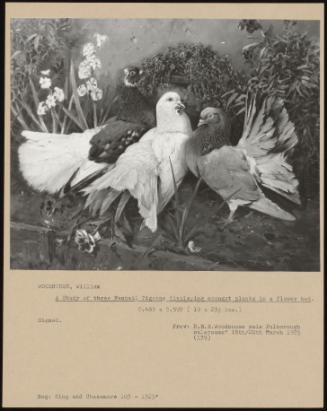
(169, 144)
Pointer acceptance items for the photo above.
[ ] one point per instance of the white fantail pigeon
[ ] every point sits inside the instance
(237, 173)
(146, 170)
(49, 161)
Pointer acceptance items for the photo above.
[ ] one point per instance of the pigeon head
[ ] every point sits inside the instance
(132, 75)
(171, 112)
(171, 102)
(211, 115)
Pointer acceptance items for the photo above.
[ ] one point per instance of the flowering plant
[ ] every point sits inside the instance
(67, 106)
(87, 68)
(85, 241)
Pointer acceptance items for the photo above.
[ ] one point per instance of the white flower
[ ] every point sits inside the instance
(88, 49)
(94, 62)
(42, 108)
(192, 248)
(91, 84)
(85, 241)
(51, 101)
(100, 39)
(96, 94)
(59, 94)
(45, 82)
(84, 70)
(82, 90)
(45, 72)
(97, 236)
(80, 234)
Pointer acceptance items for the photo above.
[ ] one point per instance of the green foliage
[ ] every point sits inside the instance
(174, 224)
(39, 44)
(288, 65)
(51, 46)
(249, 25)
(203, 71)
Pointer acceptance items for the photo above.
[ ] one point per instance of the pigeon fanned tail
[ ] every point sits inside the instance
(47, 161)
(266, 206)
(267, 138)
(277, 175)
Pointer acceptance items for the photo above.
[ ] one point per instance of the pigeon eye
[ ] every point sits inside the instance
(170, 99)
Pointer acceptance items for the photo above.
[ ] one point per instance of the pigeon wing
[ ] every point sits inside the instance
(227, 172)
(210, 137)
(137, 172)
(113, 139)
(205, 138)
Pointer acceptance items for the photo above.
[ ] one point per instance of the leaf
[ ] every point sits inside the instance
(174, 181)
(95, 118)
(54, 122)
(31, 37)
(125, 223)
(73, 118)
(34, 94)
(242, 110)
(250, 46)
(36, 43)
(17, 53)
(121, 205)
(241, 97)
(19, 117)
(36, 103)
(30, 113)
(110, 198)
(188, 208)
(82, 119)
(262, 52)
(119, 234)
(228, 93)
(231, 98)
(172, 225)
(63, 128)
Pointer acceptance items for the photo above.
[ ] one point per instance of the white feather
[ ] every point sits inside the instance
(48, 160)
(86, 169)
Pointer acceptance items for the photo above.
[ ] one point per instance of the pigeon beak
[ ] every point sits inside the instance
(179, 107)
(201, 121)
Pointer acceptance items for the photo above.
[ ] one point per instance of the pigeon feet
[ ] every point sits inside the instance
(225, 222)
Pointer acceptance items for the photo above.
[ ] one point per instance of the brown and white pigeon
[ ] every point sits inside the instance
(238, 173)
(134, 115)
